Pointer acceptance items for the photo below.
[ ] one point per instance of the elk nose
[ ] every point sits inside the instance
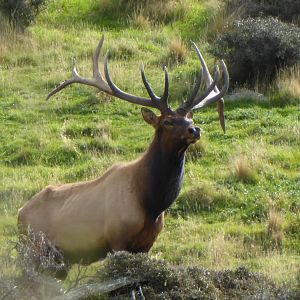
(195, 131)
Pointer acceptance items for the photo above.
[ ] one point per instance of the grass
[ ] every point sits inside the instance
(241, 191)
(288, 82)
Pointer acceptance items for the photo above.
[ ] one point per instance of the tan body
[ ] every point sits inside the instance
(88, 219)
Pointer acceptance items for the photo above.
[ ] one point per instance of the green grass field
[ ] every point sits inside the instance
(240, 203)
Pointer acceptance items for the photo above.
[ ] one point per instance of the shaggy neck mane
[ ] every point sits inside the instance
(160, 176)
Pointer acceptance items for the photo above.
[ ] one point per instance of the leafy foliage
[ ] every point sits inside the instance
(21, 13)
(288, 10)
(256, 48)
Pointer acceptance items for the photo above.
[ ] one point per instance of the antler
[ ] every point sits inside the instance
(212, 93)
(110, 88)
(194, 102)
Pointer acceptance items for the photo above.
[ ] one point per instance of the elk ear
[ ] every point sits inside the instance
(149, 116)
(189, 115)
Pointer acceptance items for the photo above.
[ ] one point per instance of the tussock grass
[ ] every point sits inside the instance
(122, 49)
(158, 11)
(288, 82)
(177, 51)
(249, 162)
(17, 43)
(275, 228)
(140, 21)
(222, 18)
(243, 170)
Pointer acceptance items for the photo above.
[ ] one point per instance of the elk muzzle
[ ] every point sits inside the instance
(194, 134)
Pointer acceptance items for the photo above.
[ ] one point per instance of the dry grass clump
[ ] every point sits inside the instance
(222, 20)
(288, 81)
(123, 49)
(140, 21)
(177, 51)
(243, 169)
(11, 40)
(161, 11)
(249, 161)
(275, 227)
(156, 12)
(219, 251)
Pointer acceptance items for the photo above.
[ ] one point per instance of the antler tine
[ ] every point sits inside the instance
(187, 105)
(165, 95)
(208, 80)
(207, 76)
(194, 92)
(152, 95)
(97, 80)
(215, 96)
(123, 95)
(209, 89)
(103, 86)
(193, 100)
(108, 87)
(63, 84)
(96, 70)
(160, 102)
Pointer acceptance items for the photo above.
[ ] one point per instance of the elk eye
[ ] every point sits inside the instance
(167, 123)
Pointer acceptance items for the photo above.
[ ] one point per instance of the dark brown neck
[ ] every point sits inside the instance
(160, 176)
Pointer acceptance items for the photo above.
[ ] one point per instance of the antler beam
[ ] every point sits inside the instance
(105, 84)
(110, 88)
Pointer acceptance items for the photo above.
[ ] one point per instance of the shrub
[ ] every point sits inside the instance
(21, 13)
(288, 10)
(160, 280)
(256, 48)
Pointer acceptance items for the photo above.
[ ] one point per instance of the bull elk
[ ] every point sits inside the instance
(124, 209)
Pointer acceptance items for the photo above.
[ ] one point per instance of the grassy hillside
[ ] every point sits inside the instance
(240, 202)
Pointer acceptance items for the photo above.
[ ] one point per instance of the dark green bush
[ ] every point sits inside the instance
(255, 48)
(21, 13)
(288, 10)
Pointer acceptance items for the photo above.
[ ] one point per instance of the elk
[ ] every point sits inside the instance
(124, 209)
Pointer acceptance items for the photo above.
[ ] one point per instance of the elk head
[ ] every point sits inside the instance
(174, 126)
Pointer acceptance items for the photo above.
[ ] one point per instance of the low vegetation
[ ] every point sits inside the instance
(20, 13)
(257, 47)
(124, 276)
(287, 11)
(239, 205)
